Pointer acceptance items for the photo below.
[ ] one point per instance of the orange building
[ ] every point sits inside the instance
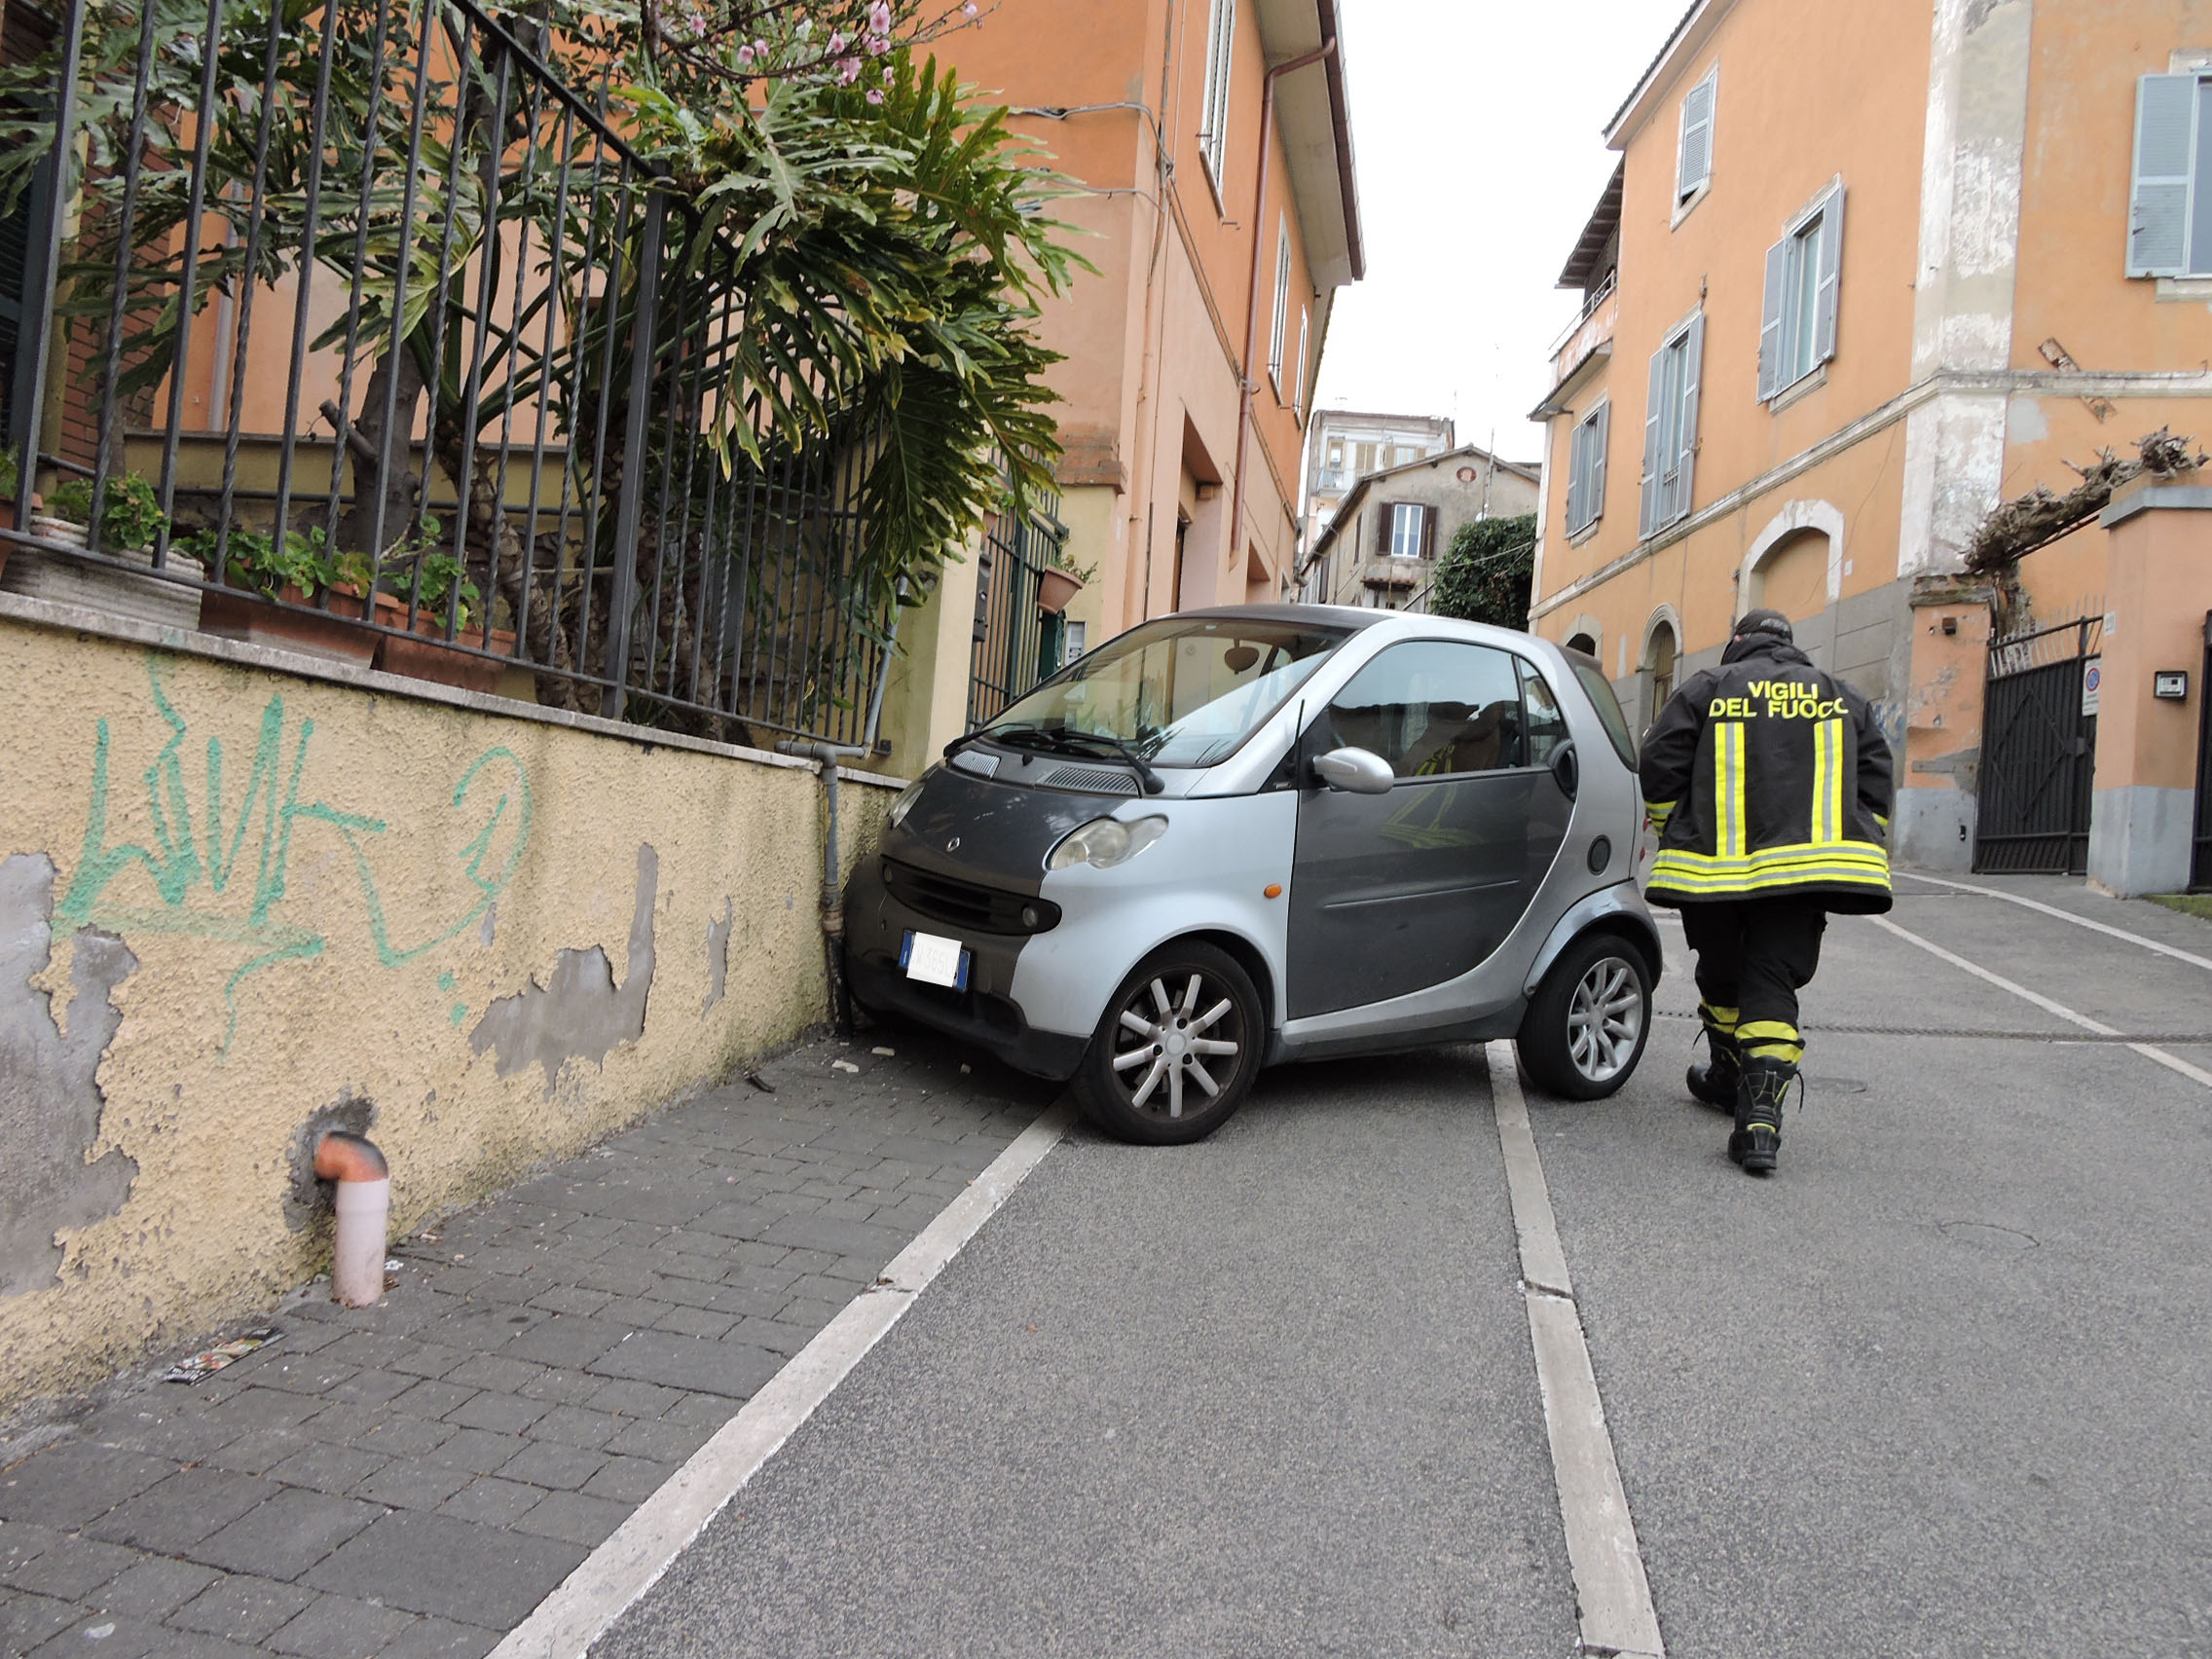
(1210, 149)
(1768, 400)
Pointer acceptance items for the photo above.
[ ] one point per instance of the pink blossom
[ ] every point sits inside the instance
(880, 18)
(968, 9)
(836, 43)
(874, 96)
(848, 71)
(745, 56)
(889, 74)
(877, 46)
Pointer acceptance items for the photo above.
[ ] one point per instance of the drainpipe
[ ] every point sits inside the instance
(833, 898)
(1326, 50)
(364, 1213)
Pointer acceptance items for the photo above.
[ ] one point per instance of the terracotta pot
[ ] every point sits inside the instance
(1054, 588)
(294, 621)
(430, 657)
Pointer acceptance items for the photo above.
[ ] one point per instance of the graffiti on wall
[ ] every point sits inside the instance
(217, 854)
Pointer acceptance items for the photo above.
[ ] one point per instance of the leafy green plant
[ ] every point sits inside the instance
(1485, 575)
(430, 576)
(131, 513)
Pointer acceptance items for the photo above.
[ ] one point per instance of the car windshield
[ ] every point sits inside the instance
(1182, 691)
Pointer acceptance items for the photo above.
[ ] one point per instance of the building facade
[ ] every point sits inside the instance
(1863, 273)
(1380, 548)
(1344, 445)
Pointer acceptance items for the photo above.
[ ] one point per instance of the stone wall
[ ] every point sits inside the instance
(244, 897)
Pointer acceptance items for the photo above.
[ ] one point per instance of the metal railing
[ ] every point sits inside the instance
(1013, 649)
(1590, 304)
(373, 312)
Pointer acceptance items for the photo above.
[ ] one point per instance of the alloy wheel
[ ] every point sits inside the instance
(1179, 1033)
(1604, 1019)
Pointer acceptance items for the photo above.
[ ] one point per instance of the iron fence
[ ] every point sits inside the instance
(2039, 749)
(371, 310)
(1016, 643)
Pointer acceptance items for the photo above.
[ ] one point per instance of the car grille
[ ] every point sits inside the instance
(968, 903)
(1091, 780)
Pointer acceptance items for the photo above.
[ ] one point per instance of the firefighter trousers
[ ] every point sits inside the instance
(1754, 956)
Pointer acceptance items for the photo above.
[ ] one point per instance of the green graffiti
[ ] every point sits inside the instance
(202, 855)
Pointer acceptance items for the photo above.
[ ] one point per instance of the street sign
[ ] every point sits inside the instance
(2092, 677)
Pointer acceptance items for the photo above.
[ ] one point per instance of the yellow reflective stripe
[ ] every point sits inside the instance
(1753, 1030)
(1828, 781)
(1659, 811)
(1725, 886)
(1728, 788)
(1721, 1019)
(1848, 852)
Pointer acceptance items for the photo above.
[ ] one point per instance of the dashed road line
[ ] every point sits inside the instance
(1612, 1594)
(2173, 1062)
(632, 1560)
(2205, 962)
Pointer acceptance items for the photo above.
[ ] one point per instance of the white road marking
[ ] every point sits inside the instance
(627, 1564)
(1613, 1594)
(2205, 962)
(2173, 1062)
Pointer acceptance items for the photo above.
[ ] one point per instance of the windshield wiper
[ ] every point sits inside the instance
(1070, 740)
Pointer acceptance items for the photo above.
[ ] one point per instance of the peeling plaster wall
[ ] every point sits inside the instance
(234, 901)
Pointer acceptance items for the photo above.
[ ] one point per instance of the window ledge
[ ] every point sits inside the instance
(1689, 203)
(1588, 533)
(2184, 290)
(1804, 386)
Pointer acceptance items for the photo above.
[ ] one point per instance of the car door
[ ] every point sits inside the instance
(1393, 892)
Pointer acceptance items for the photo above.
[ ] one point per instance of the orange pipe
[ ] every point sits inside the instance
(343, 1156)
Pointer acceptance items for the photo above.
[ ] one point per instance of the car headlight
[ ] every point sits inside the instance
(907, 798)
(1105, 842)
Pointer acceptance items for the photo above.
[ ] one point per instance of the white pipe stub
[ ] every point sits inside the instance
(364, 1215)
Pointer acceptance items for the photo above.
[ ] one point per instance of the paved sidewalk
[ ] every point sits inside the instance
(411, 1479)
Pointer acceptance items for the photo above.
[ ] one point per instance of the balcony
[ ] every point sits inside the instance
(1588, 340)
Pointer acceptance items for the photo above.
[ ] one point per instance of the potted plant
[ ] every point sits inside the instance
(294, 594)
(132, 521)
(1058, 583)
(431, 577)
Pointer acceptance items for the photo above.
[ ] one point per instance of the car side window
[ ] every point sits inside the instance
(1433, 709)
(1547, 725)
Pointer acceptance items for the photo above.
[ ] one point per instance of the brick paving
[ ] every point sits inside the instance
(411, 1479)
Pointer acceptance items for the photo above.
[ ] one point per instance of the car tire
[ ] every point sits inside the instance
(1586, 1026)
(1180, 1065)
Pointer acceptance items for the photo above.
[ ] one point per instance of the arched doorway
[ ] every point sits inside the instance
(1793, 576)
(1582, 642)
(1660, 653)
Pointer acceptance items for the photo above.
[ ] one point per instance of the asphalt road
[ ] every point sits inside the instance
(1936, 1389)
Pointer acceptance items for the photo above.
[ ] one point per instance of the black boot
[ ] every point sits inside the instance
(1714, 1081)
(1757, 1138)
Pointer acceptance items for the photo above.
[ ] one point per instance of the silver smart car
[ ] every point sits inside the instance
(1233, 837)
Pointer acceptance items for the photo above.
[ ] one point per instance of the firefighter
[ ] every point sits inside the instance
(1769, 784)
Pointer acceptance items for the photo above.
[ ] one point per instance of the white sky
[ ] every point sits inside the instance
(1476, 123)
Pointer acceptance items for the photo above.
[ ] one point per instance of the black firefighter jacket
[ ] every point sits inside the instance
(1768, 778)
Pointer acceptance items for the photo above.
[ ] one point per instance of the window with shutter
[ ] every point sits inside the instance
(1804, 281)
(2169, 234)
(1408, 536)
(1213, 134)
(1586, 472)
(1693, 166)
(1298, 385)
(1278, 337)
(1670, 428)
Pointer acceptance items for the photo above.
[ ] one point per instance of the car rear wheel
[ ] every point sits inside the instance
(1586, 1026)
(1177, 1051)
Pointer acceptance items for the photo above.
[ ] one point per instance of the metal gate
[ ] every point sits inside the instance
(1016, 643)
(2039, 750)
(2200, 852)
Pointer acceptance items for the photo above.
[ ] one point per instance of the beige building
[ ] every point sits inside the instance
(1345, 445)
(1380, 548)
(1767, 401)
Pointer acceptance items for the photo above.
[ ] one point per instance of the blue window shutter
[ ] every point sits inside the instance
(1578, 456)
(1594, 492)
(1694, 165)
(1770, 319)
(1830, 288)
(1693, 352)
(1654, 464)
(2158, 205)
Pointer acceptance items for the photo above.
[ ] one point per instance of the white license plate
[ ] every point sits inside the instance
(935, 960)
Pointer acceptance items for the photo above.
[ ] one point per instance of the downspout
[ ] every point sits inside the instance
(364, 1213)
(1327, 50)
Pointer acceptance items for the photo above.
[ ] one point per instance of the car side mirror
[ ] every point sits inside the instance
(1356, 771)
(1567, 770)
